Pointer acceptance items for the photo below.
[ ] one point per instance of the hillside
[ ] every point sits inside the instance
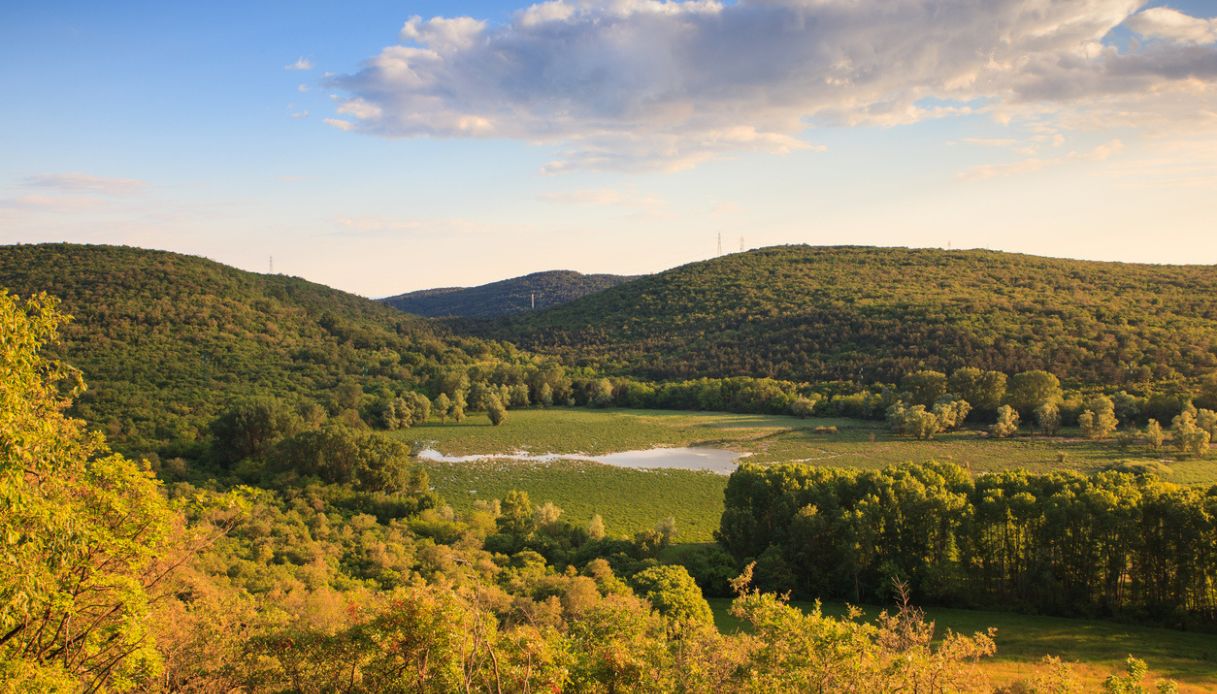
(505, 297)
(166, 340)
(800, 312)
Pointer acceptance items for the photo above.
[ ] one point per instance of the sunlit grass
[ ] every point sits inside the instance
(1097, 647)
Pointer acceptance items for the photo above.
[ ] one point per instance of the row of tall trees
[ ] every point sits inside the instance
(1059, 543)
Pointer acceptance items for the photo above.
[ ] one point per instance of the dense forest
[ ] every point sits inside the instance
(804, 313)
(1112, 544)
(166, 340)
(505, 297)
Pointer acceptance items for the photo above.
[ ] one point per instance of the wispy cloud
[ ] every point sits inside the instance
(84, 183)
(645, 84)
(301, 64)
(1102, 152)
(605, 197)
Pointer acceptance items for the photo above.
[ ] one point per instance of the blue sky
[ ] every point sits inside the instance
(618, 136)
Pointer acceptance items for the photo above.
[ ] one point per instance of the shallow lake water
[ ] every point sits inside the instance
(716, 460)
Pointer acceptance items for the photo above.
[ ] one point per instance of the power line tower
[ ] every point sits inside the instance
(720, 243)
(272, 265)
(532, 298)
(741, 243)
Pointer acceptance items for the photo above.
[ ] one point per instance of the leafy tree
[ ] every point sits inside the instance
(1030, 390)
(1048, 419)
(924, 387)
(85, 535)
(443, 407)
(1154, 435)
(1098, 421)
(803, 407)
(595, 527)
(252, 427)
(1007, 422)
(985, 390)
(674, 594)
(1190, 438)
(495, 410)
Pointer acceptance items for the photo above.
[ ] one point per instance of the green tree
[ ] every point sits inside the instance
(674, 594)
(1007, 422)
(251, 428)
(496, 410)
(1154, 435)
(1098, 420)
(85, 534)
(985, 390)
(1048, 418)
(1030, 390)
(442, 407)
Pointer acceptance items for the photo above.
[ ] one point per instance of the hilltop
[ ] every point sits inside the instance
(505, 297)
(166, 340)
(859, 313)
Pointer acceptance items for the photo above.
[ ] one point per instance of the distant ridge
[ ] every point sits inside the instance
(864, 313)
(505, 297)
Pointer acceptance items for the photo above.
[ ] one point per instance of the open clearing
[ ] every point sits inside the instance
(766, 438)
(1097, 648)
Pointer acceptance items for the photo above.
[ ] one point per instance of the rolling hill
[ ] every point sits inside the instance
(166, 340)
(505, 297)
(810, 313)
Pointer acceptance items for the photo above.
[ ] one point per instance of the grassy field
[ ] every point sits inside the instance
(1097, 648)
(628, 500)
(780, 439)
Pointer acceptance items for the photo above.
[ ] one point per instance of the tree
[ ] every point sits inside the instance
(1031, 389)
(457, 410)
(985, 390)
(951, 413)
(85, 534)
(419, 407)
(250, 428)
(1098, 420)
(495, 410)
(924, 387)
(1154, 435)
(595, 527)
(913, 421)
(803, 407)
(600, 393)
(1048, 418)
(1190, 438)
(442, 407)
(674, 594)
(1007, 422)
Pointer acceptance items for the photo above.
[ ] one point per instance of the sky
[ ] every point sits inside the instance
(382, 147)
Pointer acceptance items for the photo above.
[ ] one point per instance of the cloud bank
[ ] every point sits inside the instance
(633, 84)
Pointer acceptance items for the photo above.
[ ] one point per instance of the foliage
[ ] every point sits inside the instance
(874, 314)
(1057, 543)
(505, 297)
(1007, 422)
(169, 341)
(85, 534)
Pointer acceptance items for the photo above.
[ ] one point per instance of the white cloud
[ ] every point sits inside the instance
(1173, 25)
(301, 64)
(636, 84)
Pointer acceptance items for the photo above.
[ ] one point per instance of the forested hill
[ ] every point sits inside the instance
(800, 312)
(166, 340)
(505, 297)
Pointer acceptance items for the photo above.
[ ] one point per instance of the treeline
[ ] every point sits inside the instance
(1062, 543)
(857, 314)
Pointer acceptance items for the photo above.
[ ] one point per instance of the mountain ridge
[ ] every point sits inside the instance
(504, 297)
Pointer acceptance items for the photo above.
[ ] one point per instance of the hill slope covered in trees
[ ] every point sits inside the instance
(505, 297)
(800, 312)
(165, 340)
